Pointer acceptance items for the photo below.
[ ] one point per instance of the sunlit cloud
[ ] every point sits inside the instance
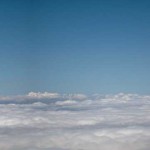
(53, 121)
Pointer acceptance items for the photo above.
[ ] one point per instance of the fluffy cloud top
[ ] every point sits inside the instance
(40, 95)
(53, 121)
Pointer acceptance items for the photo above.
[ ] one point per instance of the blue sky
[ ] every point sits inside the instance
(74, 46)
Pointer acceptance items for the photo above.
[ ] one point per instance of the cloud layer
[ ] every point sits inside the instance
(53, 121)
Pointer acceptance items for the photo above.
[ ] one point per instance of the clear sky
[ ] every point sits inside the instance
(88, 46)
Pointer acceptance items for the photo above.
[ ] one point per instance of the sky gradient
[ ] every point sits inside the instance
(74, 46)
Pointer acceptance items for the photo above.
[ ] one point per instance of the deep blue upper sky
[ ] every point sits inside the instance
(89, 46)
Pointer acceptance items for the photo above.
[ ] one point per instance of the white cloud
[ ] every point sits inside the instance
(40, 95)
(87, 122)
(66, 102)
(53, 121)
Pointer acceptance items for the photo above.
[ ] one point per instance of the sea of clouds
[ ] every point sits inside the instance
(53, 121)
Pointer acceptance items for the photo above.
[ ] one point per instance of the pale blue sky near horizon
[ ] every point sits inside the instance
(86, 46)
